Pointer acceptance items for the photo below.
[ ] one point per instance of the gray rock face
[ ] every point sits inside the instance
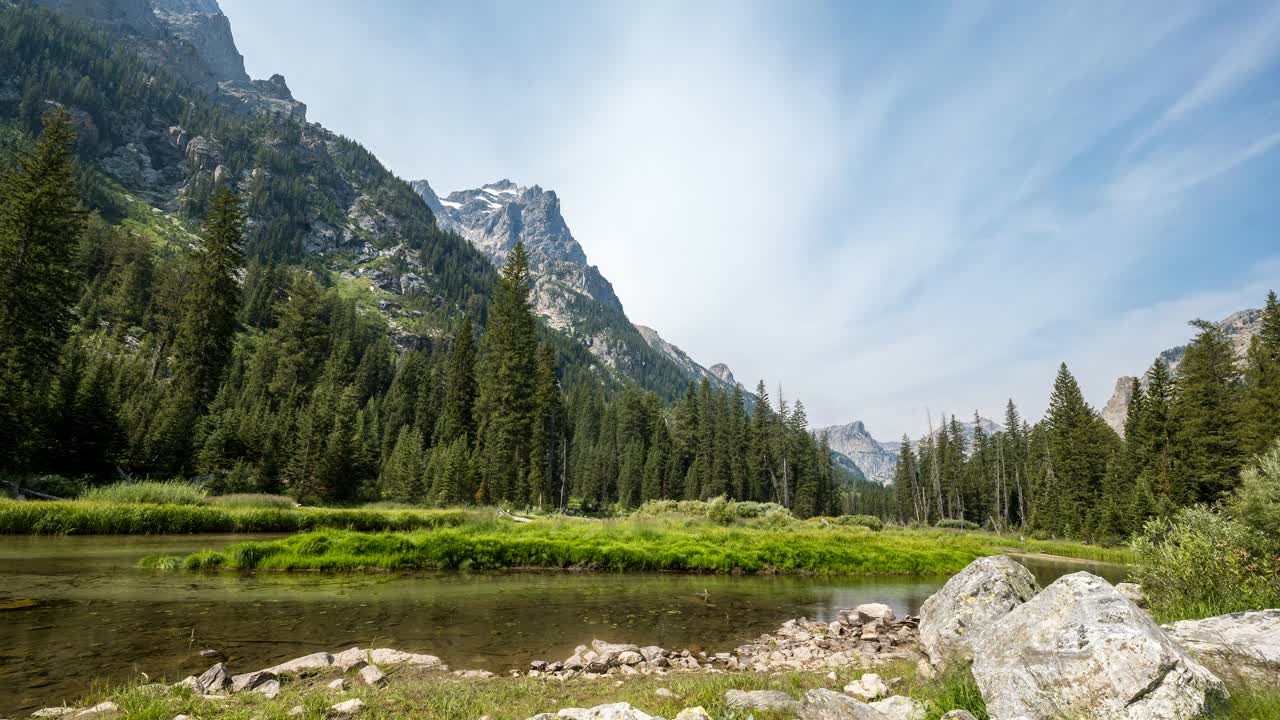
(865, 452)
(773, 700)
(899, 708)
(1079, 649)
(958, 715)
(1246, 643)
(719, 375)
(823, 704)
(1133, 593)
(1117, 408)
(952, 618)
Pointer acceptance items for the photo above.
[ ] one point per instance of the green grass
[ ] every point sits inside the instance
(620, 545)
(168, 492)
(239, 501)
(82, 517)
(428, 696)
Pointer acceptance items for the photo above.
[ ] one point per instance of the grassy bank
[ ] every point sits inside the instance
(435, 697)
(635, 544)
(88, 517)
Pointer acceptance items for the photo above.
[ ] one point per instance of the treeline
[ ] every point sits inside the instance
(259, 377)
(1186, 440)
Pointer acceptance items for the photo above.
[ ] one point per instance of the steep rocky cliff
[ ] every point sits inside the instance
(852, 441)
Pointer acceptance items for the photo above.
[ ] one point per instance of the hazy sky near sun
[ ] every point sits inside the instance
(885, 207)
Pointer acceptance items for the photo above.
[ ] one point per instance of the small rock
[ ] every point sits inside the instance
(760, 700)
(664, 693)
(373, 676)
(210, 653)
(269, 689)
(102, 708)
(473, 674)
(215, 679)
(869, 687)
(314, 661)
(693, 713)
(53, 712)
(348, 707)
(958, 715)
(823, 704)
(249, 681)
(181, 717)
(297, 710)
(832, 677)
(900, 708)
(339, 685)
(613, 711)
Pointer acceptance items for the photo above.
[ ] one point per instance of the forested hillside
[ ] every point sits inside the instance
(1185, 442)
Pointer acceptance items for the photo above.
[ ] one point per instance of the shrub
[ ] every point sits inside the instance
(170, 492)
(866, 521)
(1256, 502)
(778, 519)
(721, 511)
(1201, 563)
(252, 500)
(950, 524)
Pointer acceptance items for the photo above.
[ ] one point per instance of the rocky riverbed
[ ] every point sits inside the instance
(1019, 640)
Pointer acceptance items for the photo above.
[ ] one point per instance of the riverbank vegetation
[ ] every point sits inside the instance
(85, 517)
(636, 544)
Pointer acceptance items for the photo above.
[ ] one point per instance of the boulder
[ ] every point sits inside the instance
(877, 613)
(1080, 649)
(102, 709)
(351, 659)
(1245, 643)
(269, 689)
(969, 603)
(823, 704)
(760, 700)
(390, 656)
(609, 654)
(339, 685)
(249, 681)
(215, 679)
(900, 708)
(693, 713)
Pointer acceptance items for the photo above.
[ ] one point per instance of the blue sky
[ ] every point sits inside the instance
(887, 211)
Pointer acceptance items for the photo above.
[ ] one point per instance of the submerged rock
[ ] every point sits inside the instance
(952, 618)
(1080, 649)
(1244, 643)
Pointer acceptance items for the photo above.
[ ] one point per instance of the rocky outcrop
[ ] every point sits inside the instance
(1246, 644)
(719, 375)
(1238, 328)
(823, 704)
(1080, 649)
(872, 459)
(767, 700)
(953, 618)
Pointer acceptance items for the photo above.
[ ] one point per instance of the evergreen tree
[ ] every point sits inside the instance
(41, 223)
(1260, 406)
(460, 393)
(402, 476)
(202, 344)
(1208, 410)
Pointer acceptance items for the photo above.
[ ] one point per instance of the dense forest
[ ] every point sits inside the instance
(1186, 440)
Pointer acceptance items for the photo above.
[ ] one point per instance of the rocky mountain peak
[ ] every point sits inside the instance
(852, 441)
(1117, 408)
(723, 372)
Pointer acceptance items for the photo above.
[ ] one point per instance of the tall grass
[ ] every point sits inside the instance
(252, 500)
(107, 518)
(167, 492)
(624, 545)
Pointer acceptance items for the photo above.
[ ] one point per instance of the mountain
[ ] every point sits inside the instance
(967, 427)
(1239, 329)
(569, 293)
(855, 444)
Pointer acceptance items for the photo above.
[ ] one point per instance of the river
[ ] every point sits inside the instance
(94, 614)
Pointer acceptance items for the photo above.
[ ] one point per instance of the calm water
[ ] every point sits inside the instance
(98, 615)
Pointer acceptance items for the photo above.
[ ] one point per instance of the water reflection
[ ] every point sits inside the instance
(98, 612)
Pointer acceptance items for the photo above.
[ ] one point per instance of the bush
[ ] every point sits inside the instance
(721, 511)
(1201, 563)
(866, 521)
(252, 500)
(171, 492)
(778, 519)
(58, 486)
(957, 525)
(1256, 502)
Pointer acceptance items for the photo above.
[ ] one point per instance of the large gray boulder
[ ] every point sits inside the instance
(970, 601)
(612, 711)
(823, 704)
(1079, 649)
(773, 700)
(1245, 643)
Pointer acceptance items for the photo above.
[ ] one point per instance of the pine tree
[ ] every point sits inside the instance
(1077, 457)
(1154, 443)
(1260, 406)
(402, 476)
(202, 344)
(507, 396)
(41, 224)
(460, 390)
(1208, 411)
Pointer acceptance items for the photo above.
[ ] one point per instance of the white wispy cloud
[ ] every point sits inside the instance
(883, 210)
